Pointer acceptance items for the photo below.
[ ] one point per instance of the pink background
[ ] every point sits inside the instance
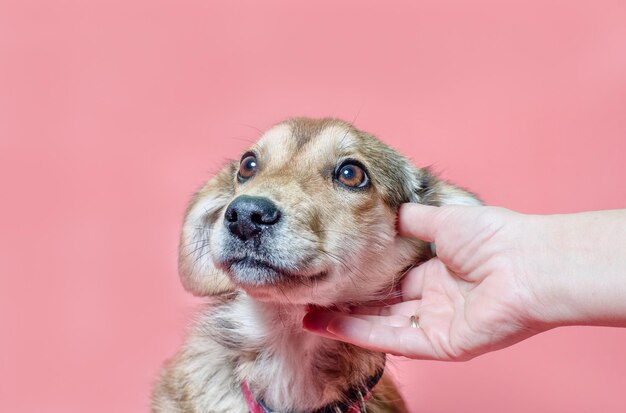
(113, 112)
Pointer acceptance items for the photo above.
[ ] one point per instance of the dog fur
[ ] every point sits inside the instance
(335, 246)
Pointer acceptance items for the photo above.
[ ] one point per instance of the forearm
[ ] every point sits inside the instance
(577, 268)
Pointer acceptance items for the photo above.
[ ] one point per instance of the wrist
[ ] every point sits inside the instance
(576, 268)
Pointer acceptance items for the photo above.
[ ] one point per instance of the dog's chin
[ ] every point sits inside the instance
(266, 282)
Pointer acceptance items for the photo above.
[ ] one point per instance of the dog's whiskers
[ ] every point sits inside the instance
(204, 243)
(393, 291)
(259, 131)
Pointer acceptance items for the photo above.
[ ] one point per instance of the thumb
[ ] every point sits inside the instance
(419, 221)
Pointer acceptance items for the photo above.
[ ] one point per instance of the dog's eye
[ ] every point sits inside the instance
(352, 175)
(248, 166)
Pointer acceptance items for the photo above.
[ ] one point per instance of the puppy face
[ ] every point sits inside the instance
(307, 216)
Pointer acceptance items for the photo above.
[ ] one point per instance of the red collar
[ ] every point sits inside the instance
(357, 397)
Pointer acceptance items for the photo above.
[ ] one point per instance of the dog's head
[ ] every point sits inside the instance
(308, 216)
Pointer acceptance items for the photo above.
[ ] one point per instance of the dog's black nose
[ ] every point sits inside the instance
(247, 216)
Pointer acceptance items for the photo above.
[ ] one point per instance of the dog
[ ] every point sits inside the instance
(307, 217)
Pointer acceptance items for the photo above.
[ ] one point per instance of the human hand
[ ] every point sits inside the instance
(474, 297)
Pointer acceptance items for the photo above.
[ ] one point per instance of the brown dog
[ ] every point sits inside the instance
(307, 217)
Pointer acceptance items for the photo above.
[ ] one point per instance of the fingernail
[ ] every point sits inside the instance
(317, 321)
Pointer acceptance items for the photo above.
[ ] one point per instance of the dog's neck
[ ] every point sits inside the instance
(287, 367)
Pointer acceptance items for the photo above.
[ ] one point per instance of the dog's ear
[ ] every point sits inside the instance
(432, 190)
(197, 271)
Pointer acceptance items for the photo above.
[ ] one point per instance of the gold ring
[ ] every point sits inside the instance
(414, 323)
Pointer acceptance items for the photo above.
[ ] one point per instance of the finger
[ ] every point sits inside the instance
(412, 285)
(418, 221)
(407, 308)
(404, 341)
(321, 319)
(317, 322)
(392, 320)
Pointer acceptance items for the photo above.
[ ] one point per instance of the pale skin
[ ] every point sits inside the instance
(499, 277)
